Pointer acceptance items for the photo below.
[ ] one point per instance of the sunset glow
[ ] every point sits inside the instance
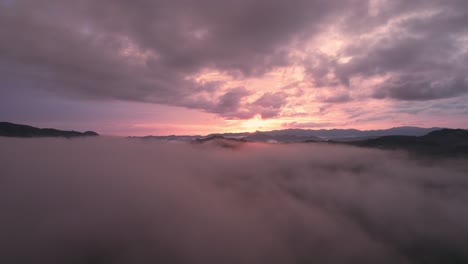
(234, 131)
(271, 65)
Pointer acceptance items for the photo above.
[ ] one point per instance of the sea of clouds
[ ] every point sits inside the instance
(116, 200)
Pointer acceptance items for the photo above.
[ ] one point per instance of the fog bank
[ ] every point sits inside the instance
(115, 200)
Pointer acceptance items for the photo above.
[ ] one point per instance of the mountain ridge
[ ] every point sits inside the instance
(443, 142)
(301, 135)
(8, 129)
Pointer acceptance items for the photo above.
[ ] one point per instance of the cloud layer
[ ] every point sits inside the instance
(110, 200)
(222, 57)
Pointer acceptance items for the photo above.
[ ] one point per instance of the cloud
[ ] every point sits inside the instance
(115, 200)
(145, 50)
(422, 88)
(230, 103)
(338, 98)
(235, 104)
(149, 51)
(418, 51)
(270, 104)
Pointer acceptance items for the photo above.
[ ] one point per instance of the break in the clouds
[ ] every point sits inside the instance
(240, 59)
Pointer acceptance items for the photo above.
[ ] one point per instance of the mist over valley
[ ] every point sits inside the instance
(121, 200)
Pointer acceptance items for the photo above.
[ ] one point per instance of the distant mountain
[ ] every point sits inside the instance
(272, 138)
(221, 141)
(426, 141)
(349, 134)
(301, 135)
(447, 142)
(15, 130)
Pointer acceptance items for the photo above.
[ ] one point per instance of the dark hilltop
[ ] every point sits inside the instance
(444, 142)
(15, 130)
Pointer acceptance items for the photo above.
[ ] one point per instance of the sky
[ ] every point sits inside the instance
(122, 67)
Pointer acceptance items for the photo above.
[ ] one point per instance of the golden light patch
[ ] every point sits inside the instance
(258, 124)
(255, 123)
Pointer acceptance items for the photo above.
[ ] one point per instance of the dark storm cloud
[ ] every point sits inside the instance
(111, 200)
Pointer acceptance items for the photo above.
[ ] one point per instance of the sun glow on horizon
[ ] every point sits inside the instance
(257, 123)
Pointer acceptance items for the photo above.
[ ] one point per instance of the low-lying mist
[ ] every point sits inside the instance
(115, 200)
